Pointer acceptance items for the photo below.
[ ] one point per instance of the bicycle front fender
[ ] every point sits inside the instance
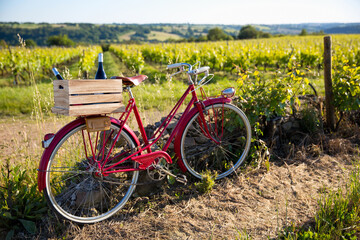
(189, 115)
(58, 136)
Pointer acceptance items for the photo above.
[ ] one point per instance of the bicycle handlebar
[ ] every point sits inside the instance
(200, 70)
(189, 71)
(178, 65)
(175, 65)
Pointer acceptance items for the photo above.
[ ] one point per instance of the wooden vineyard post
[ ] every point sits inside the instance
(329, 97)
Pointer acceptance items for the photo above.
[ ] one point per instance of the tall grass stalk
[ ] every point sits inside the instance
(37, 110)
(242, 235)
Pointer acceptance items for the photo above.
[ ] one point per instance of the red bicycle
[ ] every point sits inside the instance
(87, 176)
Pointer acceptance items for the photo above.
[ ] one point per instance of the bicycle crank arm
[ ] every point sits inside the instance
(180, 177)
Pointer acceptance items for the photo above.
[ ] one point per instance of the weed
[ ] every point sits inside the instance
(259, 153)
(20, 202)
(339, 213)
(242, 235)
(310, 122)
(207, 182)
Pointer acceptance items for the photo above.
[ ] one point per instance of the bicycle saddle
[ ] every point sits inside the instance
(131, 81)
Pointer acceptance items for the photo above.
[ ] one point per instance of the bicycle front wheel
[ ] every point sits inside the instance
(74, 187)
(219, 142)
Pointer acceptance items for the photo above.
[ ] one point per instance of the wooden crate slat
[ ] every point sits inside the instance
(95, 86)
(95, 98)
(62, 102)
(61, 111)
(96, 109)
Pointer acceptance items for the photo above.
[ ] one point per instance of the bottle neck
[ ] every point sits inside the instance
(55, 71)
(57, 74)
(101, 58)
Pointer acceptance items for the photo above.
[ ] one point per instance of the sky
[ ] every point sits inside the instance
(238, 12)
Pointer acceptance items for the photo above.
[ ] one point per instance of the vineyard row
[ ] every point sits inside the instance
(280, 53)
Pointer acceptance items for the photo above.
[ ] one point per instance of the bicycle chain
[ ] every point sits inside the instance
(102, 180)
(180, 178)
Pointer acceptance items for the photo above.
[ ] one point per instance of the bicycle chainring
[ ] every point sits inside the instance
(155, 171)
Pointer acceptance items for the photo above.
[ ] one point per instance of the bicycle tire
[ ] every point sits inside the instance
(229, 126)
(73, 190)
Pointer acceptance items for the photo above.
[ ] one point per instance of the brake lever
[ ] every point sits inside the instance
(202, 81)
(175, 73)
(182, 69)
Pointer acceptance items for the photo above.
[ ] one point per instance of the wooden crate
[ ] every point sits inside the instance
(88, 97)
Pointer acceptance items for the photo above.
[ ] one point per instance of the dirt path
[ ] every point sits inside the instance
(21, 138)
(256, 204)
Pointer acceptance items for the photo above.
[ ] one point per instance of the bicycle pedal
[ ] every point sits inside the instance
(181, 178)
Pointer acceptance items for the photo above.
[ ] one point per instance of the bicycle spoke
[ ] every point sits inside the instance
(227, 152)
(67, 179)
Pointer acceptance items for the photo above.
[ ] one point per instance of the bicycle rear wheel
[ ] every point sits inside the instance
(74, 189)
(220, 144)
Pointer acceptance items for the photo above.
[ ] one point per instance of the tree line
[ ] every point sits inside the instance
(70, 34)
(82, 33)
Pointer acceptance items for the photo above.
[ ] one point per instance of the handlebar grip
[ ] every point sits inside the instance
(175, 65)
(201, 70)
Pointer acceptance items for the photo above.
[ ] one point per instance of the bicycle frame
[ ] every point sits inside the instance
(145, 160)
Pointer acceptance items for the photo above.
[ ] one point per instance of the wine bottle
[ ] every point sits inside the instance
(100, 74)
(57, 74)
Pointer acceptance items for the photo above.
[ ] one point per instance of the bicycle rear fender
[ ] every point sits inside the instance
(187, 118)
(58, 136)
